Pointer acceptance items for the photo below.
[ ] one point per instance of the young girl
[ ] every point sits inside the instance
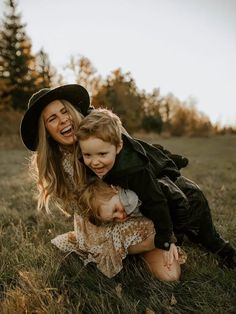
(104, 203)
(48, 129)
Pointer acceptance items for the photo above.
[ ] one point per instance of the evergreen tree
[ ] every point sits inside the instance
(17, 64)
(4, 95)
(46, 72)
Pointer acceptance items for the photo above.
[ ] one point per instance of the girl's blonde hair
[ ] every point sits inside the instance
(95, 194)
(103, 124)
(48, 171)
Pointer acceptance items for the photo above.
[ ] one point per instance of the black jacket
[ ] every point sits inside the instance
(138, 167)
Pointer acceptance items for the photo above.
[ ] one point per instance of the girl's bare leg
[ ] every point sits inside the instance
(154, 260)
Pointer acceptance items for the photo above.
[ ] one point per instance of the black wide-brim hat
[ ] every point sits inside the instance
(76, 94)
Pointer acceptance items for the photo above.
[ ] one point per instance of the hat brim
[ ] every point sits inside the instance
(76, 94)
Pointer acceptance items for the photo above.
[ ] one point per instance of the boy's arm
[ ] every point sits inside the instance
(179, 160)
(154, 206)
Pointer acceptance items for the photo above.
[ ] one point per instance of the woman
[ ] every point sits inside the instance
(48, 128)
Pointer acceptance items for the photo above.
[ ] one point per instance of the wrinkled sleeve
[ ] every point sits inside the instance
(154, 206)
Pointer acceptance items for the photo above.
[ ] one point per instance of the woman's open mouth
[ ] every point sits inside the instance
(67, 131)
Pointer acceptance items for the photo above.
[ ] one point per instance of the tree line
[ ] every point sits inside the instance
(22, 73)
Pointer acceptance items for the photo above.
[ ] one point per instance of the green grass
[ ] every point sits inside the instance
(35, 277)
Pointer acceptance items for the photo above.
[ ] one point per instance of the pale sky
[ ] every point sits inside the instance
(186, 47)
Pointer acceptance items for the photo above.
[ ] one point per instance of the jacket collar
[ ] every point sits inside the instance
(131, 158)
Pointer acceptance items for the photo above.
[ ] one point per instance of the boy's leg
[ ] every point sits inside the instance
(201, 225)
(181, 211)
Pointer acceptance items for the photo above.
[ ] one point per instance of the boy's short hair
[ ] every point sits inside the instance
(103, 124)
(94, 194)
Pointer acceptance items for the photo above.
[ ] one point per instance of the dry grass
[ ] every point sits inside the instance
(9, 129)
(37, 278)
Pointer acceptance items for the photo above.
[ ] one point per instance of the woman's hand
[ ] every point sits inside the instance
(170, 256)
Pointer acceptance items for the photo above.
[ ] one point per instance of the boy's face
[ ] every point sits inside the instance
(98, 155)
(113, 210)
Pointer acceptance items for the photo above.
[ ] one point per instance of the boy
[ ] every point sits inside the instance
(132, 164)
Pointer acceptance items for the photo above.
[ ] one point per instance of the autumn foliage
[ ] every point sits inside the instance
(22, 73)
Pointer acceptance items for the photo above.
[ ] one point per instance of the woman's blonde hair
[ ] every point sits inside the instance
(93, 196)
(103, 124)
(48, 171)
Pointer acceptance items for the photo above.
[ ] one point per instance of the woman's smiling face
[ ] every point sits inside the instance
(58, 123)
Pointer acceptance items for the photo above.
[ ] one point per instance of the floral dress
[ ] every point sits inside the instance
(105, 245)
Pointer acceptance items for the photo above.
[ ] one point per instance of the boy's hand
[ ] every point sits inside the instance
(170, 256)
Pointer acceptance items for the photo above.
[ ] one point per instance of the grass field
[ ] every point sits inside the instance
(35, 277)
